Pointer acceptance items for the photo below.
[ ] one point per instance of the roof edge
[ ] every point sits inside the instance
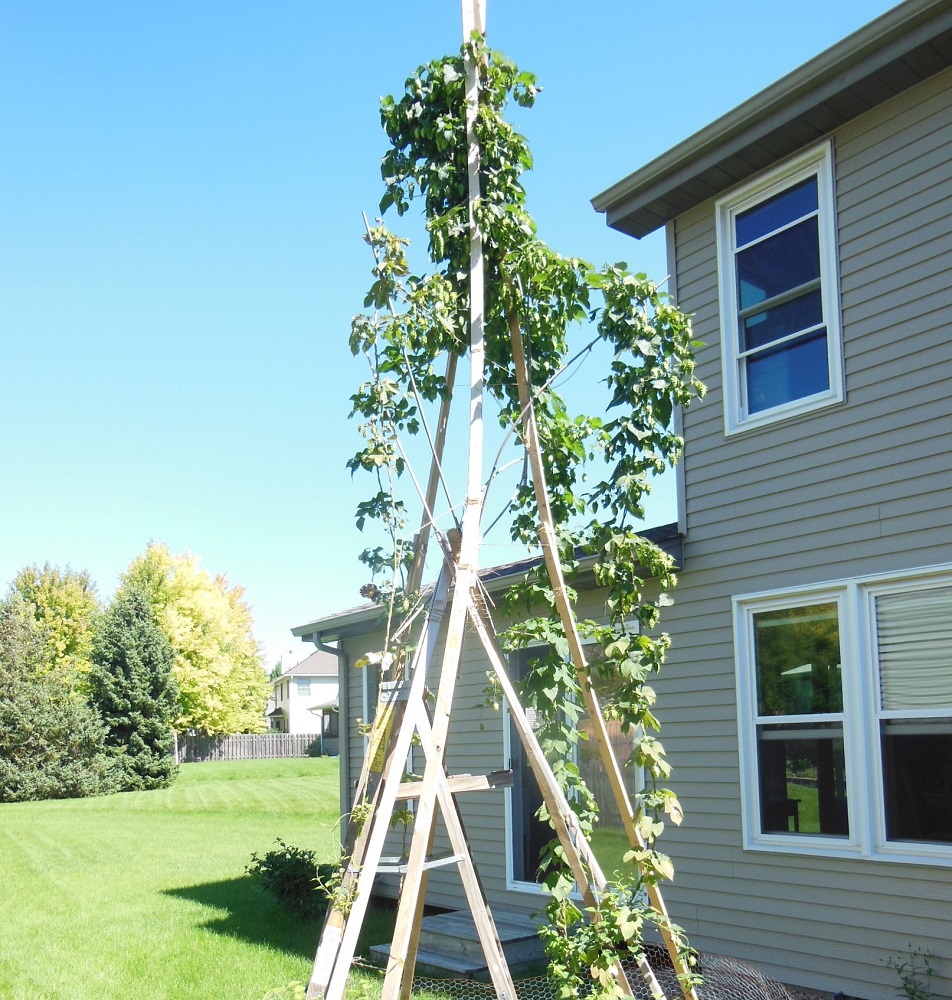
(360, 619)
(766, 105)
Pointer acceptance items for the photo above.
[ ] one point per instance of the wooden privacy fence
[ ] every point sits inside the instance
(251, 746)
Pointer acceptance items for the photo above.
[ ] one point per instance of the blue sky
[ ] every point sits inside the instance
(181, 188)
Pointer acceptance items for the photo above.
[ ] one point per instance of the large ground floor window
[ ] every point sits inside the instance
(845, 717)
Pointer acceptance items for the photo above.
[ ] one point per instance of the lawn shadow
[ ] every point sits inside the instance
(250, 915)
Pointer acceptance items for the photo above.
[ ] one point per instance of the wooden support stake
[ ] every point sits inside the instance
(408, 914)
(550, 554)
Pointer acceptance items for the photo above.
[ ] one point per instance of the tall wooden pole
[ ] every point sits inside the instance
(474, 20)
(553, 564)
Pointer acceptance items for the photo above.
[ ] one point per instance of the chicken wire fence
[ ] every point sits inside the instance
(724, 979)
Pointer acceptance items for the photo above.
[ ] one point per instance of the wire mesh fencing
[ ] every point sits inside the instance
(724, 979)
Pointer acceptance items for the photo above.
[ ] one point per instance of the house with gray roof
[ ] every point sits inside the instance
(304, 699)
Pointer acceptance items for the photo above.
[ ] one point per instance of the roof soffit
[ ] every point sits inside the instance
(898, 50)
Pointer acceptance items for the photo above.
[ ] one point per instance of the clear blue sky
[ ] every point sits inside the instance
(180, 249)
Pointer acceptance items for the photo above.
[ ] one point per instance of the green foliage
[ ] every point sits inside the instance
(597, 468)
(132, 686)
(915, 972)
(65, 605)
(293, 876)
(52, 743)
(294, 990)
(223, 687)
(584, 944)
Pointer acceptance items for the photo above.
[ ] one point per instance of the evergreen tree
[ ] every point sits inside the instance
(52, 743)
(132, 686)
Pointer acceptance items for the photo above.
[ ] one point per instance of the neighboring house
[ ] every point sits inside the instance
(304, 699)
(807, 699)
(807, 707)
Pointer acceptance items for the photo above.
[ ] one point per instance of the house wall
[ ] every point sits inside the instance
(859, 488)
(475, 746)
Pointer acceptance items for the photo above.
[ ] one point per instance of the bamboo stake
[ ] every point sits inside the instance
(578, 852)
(550, 554)
(437, 445)
(421, 543)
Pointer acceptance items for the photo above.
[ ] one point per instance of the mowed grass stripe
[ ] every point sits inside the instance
(144, 894)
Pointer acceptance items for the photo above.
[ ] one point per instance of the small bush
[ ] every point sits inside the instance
(314, 749)
(295, 879)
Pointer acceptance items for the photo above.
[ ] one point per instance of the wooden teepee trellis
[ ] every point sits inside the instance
(402, 711)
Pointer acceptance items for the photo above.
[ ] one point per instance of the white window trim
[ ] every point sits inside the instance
(861, 716)
(818, 161)
(512, 883)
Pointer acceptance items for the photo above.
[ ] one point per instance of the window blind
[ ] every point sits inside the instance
(914, 632)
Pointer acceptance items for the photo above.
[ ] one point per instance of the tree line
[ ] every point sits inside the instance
(92, 695)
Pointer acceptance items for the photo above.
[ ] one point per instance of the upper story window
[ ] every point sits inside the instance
(779, 295)
(304, 686)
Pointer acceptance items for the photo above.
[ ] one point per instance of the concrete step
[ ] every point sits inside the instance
(449, 944)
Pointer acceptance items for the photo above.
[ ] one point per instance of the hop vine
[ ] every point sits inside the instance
(598, 468)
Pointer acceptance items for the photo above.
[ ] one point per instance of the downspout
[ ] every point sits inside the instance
(343, 714)
(671, 250)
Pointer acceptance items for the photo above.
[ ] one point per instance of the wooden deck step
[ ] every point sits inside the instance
(449, 944)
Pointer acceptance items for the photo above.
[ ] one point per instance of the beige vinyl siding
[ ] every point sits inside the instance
(857, 488)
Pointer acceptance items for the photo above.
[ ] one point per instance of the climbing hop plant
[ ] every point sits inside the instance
(597, 467)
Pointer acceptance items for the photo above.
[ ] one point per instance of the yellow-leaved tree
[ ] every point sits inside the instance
(65, 606)
(223, 686)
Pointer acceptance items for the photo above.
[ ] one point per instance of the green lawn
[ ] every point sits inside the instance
(144, 894)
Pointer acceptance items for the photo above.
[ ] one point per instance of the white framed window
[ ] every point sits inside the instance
(911, 636)
(779, 294)
(845, 717)
(526, 834)
(304, 687)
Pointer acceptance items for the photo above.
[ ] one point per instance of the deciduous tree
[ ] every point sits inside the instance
(65, 606)
(223, 687)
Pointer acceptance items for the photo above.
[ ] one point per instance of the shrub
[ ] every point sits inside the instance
(295, 879)
(51, 740)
